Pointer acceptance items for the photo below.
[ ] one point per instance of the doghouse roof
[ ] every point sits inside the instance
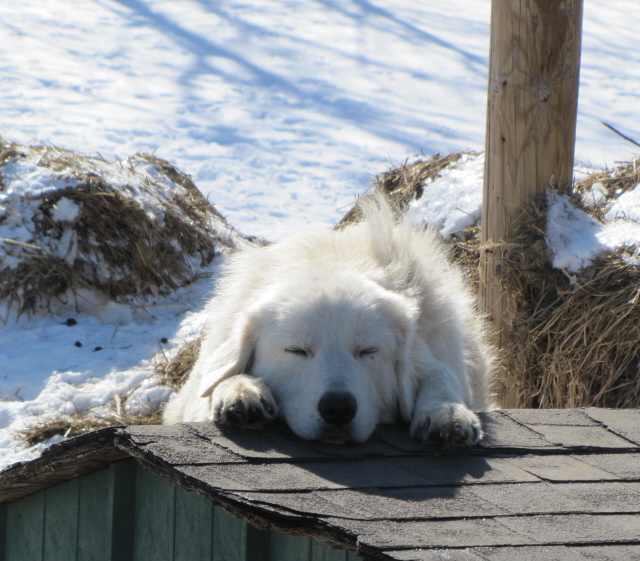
(561, 484)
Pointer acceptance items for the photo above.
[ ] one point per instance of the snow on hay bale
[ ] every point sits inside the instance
(78, 232)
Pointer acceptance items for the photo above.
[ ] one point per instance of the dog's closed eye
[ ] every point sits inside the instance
(298, 351)
(367, 352)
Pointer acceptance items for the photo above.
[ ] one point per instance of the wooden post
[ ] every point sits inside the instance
(531, 121)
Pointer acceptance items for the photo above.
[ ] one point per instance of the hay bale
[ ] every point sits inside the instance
(575, 337)
(583, 348)
(83, 232)
(574, 341)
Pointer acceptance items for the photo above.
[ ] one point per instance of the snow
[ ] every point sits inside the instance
(627, 206)
(575, 238)
(596, 197)
(453, 202)
(572, 235)
(65, 210)
(281, 111)
(48, 368)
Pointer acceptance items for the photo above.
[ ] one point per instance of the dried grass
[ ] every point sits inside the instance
(120, 249)
(622, 178)
(74, 425)
(575, 338)
(586, 346)
(404, 183)
(174, 372)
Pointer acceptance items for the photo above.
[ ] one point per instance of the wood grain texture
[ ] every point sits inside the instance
(193, 527)
(229, 537)
(25, 528)
(531, 121)
(3, 531)
(320, 552)
(61, 521)
(155, 517)
(122, 512)
(292, 548)
(95, 516)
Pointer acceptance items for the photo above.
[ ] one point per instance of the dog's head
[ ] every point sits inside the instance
(333, 350)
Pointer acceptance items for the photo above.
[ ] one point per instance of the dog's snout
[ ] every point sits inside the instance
(337, 408)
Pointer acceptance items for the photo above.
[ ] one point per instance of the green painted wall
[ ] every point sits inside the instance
(124, 513)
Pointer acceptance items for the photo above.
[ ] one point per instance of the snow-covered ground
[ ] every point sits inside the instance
(281, 111)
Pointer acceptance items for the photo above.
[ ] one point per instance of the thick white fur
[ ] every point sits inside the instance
(374, 311)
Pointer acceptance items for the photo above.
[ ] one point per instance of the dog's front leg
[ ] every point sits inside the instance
(440, 414)
(243, 401)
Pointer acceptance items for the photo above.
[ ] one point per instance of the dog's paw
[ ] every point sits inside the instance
(243, 401)
(450, 424)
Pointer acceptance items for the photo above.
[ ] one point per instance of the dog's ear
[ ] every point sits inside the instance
(403, 313)
(233, 357)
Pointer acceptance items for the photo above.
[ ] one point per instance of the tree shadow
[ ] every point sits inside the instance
(287, 93)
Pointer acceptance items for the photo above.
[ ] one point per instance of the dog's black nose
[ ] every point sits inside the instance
(337, 408)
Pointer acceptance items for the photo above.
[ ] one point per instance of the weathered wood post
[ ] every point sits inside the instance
(532, 103)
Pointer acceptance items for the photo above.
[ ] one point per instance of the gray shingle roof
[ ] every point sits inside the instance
(543, 484)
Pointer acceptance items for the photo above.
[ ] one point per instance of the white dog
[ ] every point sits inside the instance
(338, 331)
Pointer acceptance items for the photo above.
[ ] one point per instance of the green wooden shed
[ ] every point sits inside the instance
(543, 484)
